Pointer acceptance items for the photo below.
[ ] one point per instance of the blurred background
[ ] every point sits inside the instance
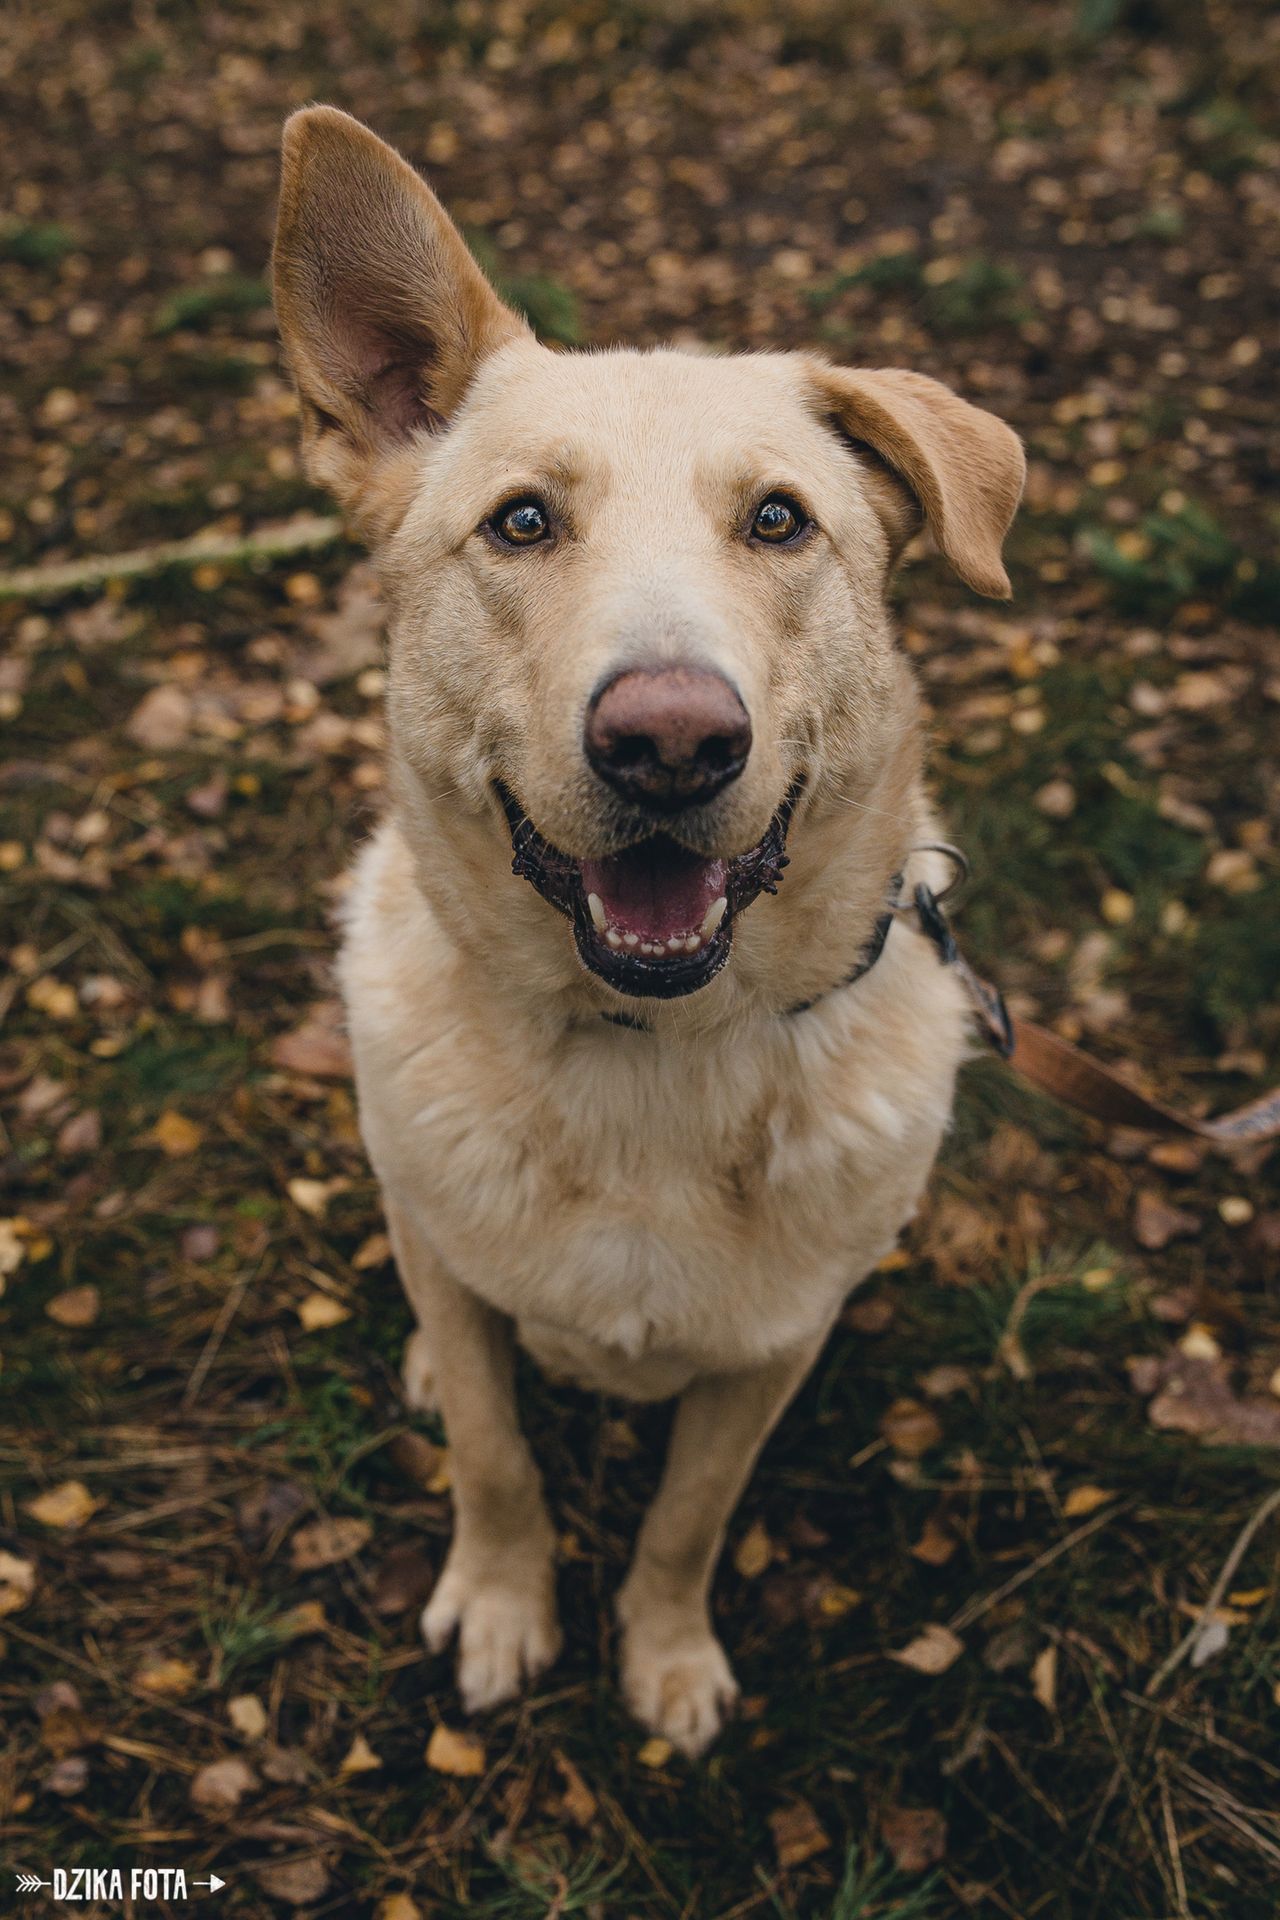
(1045, 1423)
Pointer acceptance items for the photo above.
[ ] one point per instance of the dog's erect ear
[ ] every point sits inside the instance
(384, 314)
(962, 467)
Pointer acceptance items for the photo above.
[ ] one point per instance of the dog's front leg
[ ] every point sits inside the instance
(674, 1671)
(497, 1588)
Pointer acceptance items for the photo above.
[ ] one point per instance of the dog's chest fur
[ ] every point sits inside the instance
(645, 1208)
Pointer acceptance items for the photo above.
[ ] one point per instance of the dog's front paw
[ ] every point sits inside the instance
(506, 1626)
(676, 1678)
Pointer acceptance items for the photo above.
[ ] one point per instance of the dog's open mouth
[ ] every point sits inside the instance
(655, 920)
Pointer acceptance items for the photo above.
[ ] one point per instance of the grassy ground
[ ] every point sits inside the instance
(209, 1493)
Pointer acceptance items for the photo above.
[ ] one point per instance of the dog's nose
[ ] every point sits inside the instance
(668, 737)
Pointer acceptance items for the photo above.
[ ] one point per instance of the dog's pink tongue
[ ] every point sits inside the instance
(656, 890)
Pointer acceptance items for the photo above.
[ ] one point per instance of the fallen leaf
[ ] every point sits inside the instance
(655, 1752)
(359, 1758)
(753, 1552)
(285, 1765)
(577, 1803)
(311, 1196)
(209, 799)
(69, 1777)
(248, 1716)
(69, 1504)
(1195, 1396)
(797, 1834)
(961, 1240)
(307, 1617)
(319, 1311)
(296, 1882)
(404, 1580)
(421, 1461)
(325, 1542)
(373, 1252)
(200, 1243)
(220, 1786)
(317, 1048)
(915, 1836)
(350, 638)
(933, 1650)
(1156, 1223)
(397, 1906)
(267, 1510)
(166, 1677)
(834, 1600)
(873, 1316)
(174, 1134)
(77, 1307)
(1044, 1677)
(82, 1133)
(936, 1544)
(1084, 1500)
(449, 1751)
(17, 1582)
(911, 1428)
(1210, 1640)
(161, 720)
(942, 1381)
(13, 1248)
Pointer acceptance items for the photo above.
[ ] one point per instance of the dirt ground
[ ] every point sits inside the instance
(960, 1589)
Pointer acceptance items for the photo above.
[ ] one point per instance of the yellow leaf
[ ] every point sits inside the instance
(321, 1310)
(1083, 1500)
(17, 1582)
(1249, 1597)
(67, 1505)
(168, 1679)
(655, 1752)
(373, 1252)
(932, 1651)
(175, 1135)
(306, 1617)
(457, 1753)
(754, 1552)
(397, 1906)
(836, 1601)
(359, 1758)
(1044, 1677)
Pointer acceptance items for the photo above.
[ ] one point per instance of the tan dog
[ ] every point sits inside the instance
(638, 627)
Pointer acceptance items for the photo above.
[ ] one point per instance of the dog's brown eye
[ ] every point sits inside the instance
(778, 520)
(521, 524)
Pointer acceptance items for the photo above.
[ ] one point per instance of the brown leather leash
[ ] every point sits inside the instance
(1058, 1068)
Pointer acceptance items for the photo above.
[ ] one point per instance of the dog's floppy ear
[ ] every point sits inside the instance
(384, 314)
(962, 467)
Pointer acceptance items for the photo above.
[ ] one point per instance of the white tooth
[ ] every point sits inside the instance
(675, 943)
(595, 907)
(715, 914)
(631, 939)
(692, 944)
(614, 938)
(647, 946)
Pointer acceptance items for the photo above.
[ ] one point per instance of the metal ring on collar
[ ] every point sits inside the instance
(960, 873)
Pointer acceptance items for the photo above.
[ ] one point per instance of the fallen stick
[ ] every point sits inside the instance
(302, 535)
(1220, 1585)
